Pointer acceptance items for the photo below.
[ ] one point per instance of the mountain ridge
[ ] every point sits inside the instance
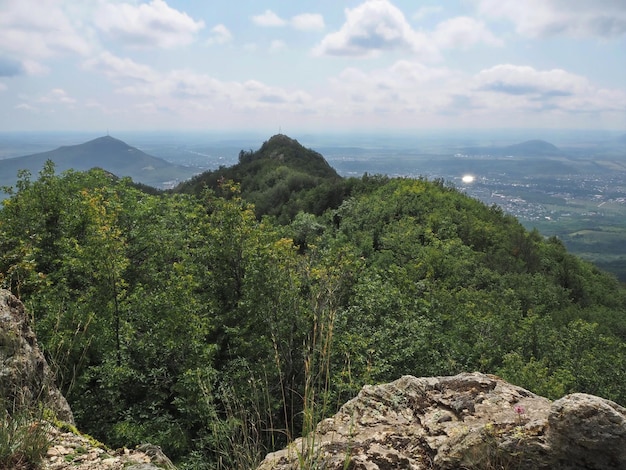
(106, 152)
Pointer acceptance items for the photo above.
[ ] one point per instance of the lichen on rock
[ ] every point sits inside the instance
(462, 421)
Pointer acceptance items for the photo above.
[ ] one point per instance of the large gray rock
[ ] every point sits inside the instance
(463, 421)
(25, 377)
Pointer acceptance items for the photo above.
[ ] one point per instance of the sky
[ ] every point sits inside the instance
(323, 66)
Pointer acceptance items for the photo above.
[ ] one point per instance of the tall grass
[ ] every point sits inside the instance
(275, 414)
(24, 440)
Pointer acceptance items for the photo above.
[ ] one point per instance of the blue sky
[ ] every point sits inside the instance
(326, 65)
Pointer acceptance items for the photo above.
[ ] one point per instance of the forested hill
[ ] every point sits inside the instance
(106, 152)
(189, 322)
(280, 178)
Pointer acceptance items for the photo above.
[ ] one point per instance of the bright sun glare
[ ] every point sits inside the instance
(467, 179)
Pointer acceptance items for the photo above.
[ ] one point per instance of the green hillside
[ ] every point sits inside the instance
(106, 152)
(190, 321)
(280, 179)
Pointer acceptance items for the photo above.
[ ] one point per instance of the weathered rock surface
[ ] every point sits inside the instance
(464, 421)
(25, 378)
(71, 451)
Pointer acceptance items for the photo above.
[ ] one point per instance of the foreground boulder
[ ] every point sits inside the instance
(467, 421)
(25, 377)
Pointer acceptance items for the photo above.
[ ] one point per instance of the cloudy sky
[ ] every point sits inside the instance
(325, 65)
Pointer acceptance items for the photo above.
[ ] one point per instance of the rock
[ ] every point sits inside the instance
(25, 377)
(72, 451)
(589, 430)
(463, 421)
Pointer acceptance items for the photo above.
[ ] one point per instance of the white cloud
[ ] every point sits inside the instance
(3, 87)
(463, 32)
(220, 34)
(119, 69)
(516, 80)
(405, 90)
(268, 19)
(46, 101)
(33, 67)
(147, 24)
(180, 91)
(30, 33)
(26, 107)
(308, 22)
(277, 45)
(57, 95)
(579, 18)
(517, 89)
(372, 27)
(302, 22)
(506, 94)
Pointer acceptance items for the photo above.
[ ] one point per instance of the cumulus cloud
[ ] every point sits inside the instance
(524, 80)
(220, 34)
(268, 19)
(463, 32)
(518, 88)
(302, 22)
(372, 27)
(537, 18)
(413, 92)
(308, 22)
(26, 107)
(56, 95)
(405, 88)
(119, 69)
(277, 45)
(147, 24)
(184, 89)
(29, 35)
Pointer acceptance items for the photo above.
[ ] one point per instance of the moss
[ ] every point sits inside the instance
(67, 427)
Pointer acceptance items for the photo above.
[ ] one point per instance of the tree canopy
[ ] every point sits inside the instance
(221, 322)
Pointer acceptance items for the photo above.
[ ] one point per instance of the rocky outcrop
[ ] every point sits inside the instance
(25, 378)
(72, 451)
(467, 421)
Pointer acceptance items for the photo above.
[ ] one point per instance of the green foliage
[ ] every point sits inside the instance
(197, 324)
(281, 179)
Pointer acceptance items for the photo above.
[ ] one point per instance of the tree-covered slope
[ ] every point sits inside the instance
(280, 179)
(189, 322)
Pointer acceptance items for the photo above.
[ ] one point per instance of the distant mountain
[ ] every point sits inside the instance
(281, 178)
(107, 153)
(530, 148)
